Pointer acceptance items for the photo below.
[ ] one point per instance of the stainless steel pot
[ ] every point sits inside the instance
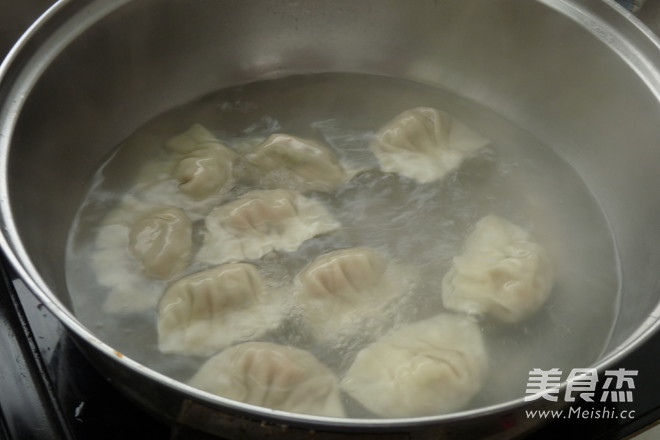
(577, 74)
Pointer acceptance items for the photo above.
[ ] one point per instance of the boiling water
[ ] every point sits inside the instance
(420, 225)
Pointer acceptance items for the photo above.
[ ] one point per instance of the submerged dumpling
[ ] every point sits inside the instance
(424, 144)
(343, 290)
(206, 171)
(430, 367)
(274, 376)
(501, 271)
(206, 167)
(162, 241)
(192, 139)
(138, 248)
(344, 274)
(262, 221)
(289, 162)
(207, 311)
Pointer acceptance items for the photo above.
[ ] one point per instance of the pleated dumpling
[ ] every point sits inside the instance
(274, 376)
(501, 272)
(207, 311)
(424, 144)
(205, 166)
(262, 221)
(289, 162)
(137, 249)
(344, 290)
(426, 368)
(190, 140)
(162, 241)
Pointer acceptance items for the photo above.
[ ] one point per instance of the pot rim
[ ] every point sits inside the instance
(638, 46)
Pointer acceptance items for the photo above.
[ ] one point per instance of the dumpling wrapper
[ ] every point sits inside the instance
(342, 292)
(162, 241)
(206, 171)
(190, 140)
(273, 376)
(207, 311)
(501, 272)
(262, 221)
(289, 162)
(194, 171)
(137, 248)
(425, 144)
(206, 167)
(426, 368)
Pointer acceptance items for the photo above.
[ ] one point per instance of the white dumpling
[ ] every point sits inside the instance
(273, 376)
(139, 247)
(342, 291)
(424, 144)
(207, 311)
(501, 272)
(289, 162)
(162, 241)
(262, 221)
(206, 165)
(426, 368)
(206, 171)
(192, 139)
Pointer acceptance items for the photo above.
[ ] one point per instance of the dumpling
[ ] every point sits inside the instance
(343, 291)
(501, 272)
(262, 221)
(206, 171)
(424, 144)
(206, 167)
(207, 311)
(162, 241)
(139, 247)
(426, 368)
(192, 139)
(289, 162)
(345, 274)
(274, 376)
